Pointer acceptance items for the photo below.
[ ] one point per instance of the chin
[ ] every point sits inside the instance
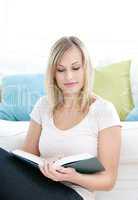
(71, 91)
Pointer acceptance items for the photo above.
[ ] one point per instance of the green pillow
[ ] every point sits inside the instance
(112, 82)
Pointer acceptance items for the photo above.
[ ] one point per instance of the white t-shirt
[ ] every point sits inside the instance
(82, 138)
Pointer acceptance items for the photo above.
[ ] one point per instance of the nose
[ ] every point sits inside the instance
(69, 75)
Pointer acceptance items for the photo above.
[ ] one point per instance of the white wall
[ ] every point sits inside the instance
(30, 27)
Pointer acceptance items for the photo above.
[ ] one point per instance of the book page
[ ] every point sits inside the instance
(29, 156)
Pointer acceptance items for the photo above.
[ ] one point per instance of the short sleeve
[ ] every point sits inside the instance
(108, 116)
(35, 113)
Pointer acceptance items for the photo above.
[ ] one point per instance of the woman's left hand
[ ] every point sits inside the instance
(58, 173)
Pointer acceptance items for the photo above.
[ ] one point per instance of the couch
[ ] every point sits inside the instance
(13, 133)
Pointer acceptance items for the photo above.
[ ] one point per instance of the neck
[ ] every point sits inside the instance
(70, 101)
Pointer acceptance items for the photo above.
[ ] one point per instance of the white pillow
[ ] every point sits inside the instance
(134, 81)
(9, 128)
(129, 149)
(12, 134)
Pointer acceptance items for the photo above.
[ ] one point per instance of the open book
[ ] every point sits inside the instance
(83, 163)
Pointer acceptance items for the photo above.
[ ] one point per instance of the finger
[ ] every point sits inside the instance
(46, 174)
(52, 170)
(60, 176)
(61, 169)
(45, 168)
(67, 170)
(48, 169)
(42, 170)
(52, 174)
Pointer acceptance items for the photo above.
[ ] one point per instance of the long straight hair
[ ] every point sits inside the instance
(54, 94)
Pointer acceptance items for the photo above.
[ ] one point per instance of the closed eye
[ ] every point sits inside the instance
(76, 68)
(59, 70)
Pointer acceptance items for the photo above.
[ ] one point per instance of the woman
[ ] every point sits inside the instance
(71, 119)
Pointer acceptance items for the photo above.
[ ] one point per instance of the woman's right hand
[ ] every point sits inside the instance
(48, 170)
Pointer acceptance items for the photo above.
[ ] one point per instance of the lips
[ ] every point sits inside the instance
(70, 84)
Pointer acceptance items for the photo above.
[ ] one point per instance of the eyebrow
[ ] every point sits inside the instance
(72, 63)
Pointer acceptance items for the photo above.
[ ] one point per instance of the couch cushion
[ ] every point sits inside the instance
(133, 115)
(19, 94)
(12, 128)
(134, 81)
(129, 151)
(112, 82)
(12, 133)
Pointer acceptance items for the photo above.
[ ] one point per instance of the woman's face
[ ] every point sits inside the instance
(70, 70)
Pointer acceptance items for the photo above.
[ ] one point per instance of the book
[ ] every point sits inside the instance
(83, 163)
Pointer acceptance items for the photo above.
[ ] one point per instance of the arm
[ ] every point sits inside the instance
(109, 144)
(32, 139)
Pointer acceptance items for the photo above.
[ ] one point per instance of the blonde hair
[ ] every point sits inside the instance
(54, 94)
